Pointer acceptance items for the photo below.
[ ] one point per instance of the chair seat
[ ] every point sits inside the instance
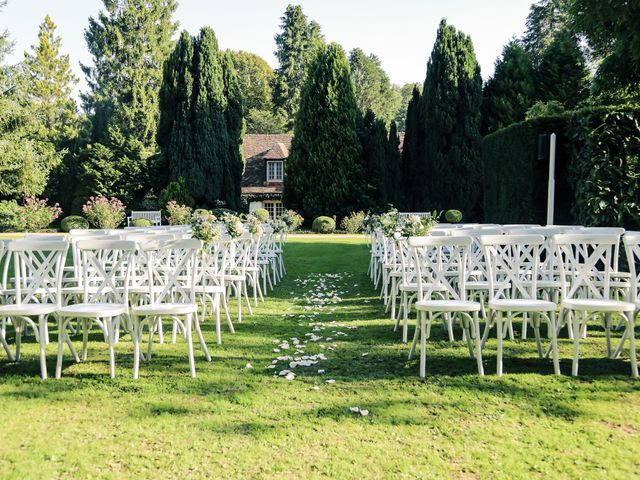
(210, 289)
(593, 305)
(164, 309)
(521, 305)
(234, 277)
(93, 310)
(27, 310)
(447, 306)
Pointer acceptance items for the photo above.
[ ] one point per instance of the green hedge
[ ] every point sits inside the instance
(597, 173)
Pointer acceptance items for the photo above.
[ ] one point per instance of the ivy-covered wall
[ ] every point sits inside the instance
(597, 169)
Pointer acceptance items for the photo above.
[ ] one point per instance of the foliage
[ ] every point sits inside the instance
(178, 191)
(201, 125)
(453, 216)
(10, 220)
(141, 222)
(296, 45)
(254, 225)
(178, 214)
(264, 121)
(389, 222)
(451, 99)
(255, 78)
(353, 223)
(279, 225)
(371, 222)
(73, 221)
(293, 220)
(611, 30)
(323, 225)
(406, 93)
(562, 74)
(545, 19)
(511, 91)
(417, 226)
(373, 88)
(545, 109)
(204, 227)
(233, 224)
(35, 214)
(261, 214)
(325, 140)
(413, 165)
(105, 213)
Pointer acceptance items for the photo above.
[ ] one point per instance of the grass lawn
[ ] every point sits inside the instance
(238, 422)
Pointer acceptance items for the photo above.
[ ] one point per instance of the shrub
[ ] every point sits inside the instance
(293, 220)
(354, 223)
(453, 216)
(178, 214)
(261, 214)
(141, 222)
(221, 212)
(10, 220)
(36, 215)
(177, 191)
(104, 212)
(73, 221)
(324, 225)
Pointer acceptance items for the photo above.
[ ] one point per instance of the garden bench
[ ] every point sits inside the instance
(155, 217)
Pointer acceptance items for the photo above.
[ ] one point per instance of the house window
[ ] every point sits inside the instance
(275, 171)
(274, 207)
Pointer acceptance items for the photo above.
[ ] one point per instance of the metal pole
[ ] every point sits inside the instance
(551, 192)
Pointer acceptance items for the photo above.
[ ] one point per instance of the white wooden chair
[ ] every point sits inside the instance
(585, 262)
(632, 248)
(513, 269)
(35, 289)
(105, 267)
(172, 266)
(440, 264)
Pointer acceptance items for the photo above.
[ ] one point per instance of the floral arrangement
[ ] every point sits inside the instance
(279, 225)
(254, 225)
(416, 226)
(203, 226)
(178, 214)
(371, 222)
(293, 220)
(389, 222)
(103, 212)
(35, 214)
(234, 225)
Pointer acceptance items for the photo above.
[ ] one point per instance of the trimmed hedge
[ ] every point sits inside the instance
(324, 225)
(453, 216)
(73, 221)
(261, 214)
(597, 169)
(141, 223)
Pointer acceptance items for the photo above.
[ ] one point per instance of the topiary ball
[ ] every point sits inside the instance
(73, 221)
(453, 216)
(324, 225)
(261, 214)
(141, 222)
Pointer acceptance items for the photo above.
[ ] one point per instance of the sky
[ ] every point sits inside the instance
(400, 32)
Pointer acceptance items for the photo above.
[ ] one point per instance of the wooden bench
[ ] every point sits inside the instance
(155, 217)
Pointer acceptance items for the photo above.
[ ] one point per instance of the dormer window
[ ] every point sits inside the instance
(275, 171)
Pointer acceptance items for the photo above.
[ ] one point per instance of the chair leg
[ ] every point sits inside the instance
(246, 297)
(554, 342)
(42, 324)
(607, 332)
(3, 340)
(476, 327)
(203, 344)
(574, 323)
(18, 323)
(414, 343)
(631, 319)
(110, 325)
(187, 326)
(61, 339)
(499, 327)
(85, 338)
(136, 337)
(423, 345)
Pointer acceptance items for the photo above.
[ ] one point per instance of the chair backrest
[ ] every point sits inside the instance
(585, 264)
(512, 265)
(105, 267)
(213, 263)
(632, 248)
(475, 258)
(172, 270)
(440, 265)
(38, 266)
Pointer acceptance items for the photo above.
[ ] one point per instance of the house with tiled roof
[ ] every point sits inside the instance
(263, 179)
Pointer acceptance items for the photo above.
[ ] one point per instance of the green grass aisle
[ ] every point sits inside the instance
(238, 422)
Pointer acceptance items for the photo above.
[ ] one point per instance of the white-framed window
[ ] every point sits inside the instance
(274, 207)
(275, 171)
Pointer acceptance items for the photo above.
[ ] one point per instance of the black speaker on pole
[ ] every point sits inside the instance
(543, 146)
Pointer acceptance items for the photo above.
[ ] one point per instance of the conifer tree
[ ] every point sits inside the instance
(323, 170)
(296, 45)
(413, 178)
(511, 91)
(393, 167)
(451, 100)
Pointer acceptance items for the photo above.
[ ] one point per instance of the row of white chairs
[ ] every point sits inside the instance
(130, 279)
(564, 276)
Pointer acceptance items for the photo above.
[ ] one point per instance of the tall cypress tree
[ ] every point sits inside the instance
(393, 167)
(413, 179)
(511, 91)
(451, 100)
(296, 44)
(201, 124)
(323, 169)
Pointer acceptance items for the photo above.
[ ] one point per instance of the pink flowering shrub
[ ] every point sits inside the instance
(104, 212)
(178, 214)
(36, 215)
